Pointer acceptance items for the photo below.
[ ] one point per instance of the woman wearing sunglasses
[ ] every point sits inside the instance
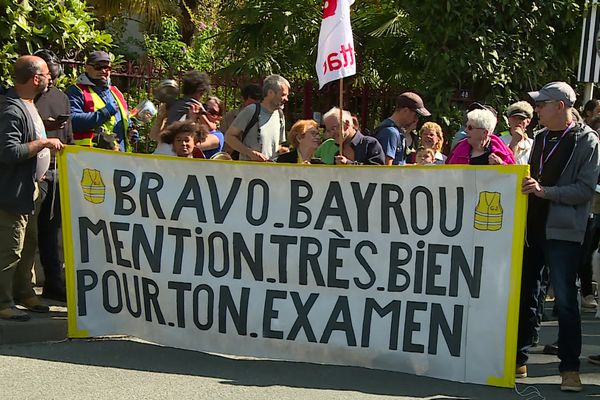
(481, 146)
(215, 140)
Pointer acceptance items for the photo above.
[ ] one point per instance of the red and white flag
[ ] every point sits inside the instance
(335, 58)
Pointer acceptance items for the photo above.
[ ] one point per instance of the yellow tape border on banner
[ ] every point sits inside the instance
(514, 294)
(520, 212)
(67, 231)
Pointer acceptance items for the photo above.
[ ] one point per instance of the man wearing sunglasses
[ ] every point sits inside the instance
(99, 112)
(23, 143)
(564, 171)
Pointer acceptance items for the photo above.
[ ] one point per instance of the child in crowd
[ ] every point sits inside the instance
(425, 156)
(184, 136)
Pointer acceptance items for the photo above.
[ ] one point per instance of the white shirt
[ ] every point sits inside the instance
(522, 150)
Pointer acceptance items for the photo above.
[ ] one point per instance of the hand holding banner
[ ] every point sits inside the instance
(336, 58)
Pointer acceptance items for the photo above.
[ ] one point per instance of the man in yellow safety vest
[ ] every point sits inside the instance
(99, 113)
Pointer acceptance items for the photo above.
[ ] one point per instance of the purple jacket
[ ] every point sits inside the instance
(462, 152)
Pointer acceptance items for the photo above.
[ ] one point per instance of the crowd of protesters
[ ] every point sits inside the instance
(37, 119)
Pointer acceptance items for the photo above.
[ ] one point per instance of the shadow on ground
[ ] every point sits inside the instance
(133, 355)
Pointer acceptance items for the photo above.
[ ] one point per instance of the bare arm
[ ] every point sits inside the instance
(211, 142)
(232, 138)
(159, 124)
(36, 146)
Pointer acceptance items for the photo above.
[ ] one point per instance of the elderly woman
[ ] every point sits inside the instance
(481, 146)
(432, 138)
(304, 138)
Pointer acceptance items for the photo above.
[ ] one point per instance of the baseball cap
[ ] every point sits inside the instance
(479, 106)
(413, 101)
(559, 91)
(98, 56)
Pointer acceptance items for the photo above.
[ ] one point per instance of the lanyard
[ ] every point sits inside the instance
(544, 160)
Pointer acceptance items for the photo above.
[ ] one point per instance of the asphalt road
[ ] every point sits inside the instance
(125, 368)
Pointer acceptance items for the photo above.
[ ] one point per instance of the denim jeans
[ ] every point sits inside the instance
(590, 245)
(562, 259)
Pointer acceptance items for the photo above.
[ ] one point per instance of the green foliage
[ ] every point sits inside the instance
(495, 50)
(167, 50)
(270, 36)
(65, 27)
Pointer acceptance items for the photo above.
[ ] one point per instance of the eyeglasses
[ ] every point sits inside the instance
(312, 132)
(102, 67)
(540, 104)
(471, 128)
(47, 74)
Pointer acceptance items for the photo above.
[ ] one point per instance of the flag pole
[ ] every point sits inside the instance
(341, 132)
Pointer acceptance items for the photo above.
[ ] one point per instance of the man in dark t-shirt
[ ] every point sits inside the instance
(564, 172)
(53, 107)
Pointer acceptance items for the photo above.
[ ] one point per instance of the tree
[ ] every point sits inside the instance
(64, 27)
(494, 50)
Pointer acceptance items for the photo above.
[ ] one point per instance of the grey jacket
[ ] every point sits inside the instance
(570, 197)
(17, 169)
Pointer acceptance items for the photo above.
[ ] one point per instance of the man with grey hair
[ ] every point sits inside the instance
(24, 160)
(259, 129)
(564, 171)
(355, 147)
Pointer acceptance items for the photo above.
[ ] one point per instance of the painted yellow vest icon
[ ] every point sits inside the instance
(488, 213)
(93, 186)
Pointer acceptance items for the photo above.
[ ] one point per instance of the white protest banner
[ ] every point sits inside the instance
(335, 56)
(413, 269)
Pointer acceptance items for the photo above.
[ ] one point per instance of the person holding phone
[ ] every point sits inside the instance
(53, 107)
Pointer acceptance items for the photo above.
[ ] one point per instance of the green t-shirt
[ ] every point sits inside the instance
(327, 151)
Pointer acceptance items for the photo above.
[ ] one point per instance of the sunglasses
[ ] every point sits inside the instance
(213, 112)
(471, 127)
(102, 67)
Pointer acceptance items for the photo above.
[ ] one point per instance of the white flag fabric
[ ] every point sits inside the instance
(336, 58)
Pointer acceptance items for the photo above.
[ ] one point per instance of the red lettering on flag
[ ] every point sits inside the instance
(329, 7)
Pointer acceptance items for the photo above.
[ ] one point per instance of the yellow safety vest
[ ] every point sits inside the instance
(488, 212)
(93, 186)
(92, 102)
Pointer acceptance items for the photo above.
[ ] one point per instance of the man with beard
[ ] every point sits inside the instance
(259, 129)
(53, 106)
(98, 109)
(24, 161)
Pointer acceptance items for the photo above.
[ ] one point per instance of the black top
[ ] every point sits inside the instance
(52, 104)
(291, 157)
(483, 159)
(179, 110)
(546, 171)
(367, 150)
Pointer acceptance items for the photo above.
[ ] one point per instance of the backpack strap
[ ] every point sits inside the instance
(281, 123)
(253, 121)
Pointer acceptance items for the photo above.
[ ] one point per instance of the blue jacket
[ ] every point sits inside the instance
(17, 168)
(89, 121)
(391, 138)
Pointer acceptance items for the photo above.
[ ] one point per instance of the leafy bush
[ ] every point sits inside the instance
(63, 26)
